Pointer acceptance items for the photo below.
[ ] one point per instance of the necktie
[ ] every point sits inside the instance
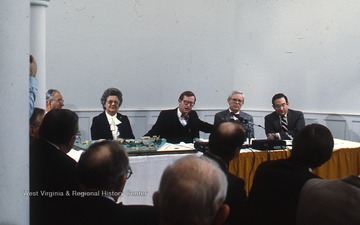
(185, 116)
(284, 125)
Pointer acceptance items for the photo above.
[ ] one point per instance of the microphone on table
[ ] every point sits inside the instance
(246, 121)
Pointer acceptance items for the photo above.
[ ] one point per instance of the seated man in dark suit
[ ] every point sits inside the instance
(181, 124)
(330, 202)
(236, 100)
(192, 192)
(273, 198)
(52, 172)
(283, 123)
(224, 144)
(103, 170)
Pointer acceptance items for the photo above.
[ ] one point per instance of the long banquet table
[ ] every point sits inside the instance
(345, 160)
(147, 169)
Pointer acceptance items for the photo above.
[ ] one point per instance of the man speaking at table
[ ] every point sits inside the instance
(283, 123)
(181, 124)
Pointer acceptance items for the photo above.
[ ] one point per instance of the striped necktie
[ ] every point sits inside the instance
(284, 125)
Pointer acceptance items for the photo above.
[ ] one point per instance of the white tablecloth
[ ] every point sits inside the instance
(145, 180)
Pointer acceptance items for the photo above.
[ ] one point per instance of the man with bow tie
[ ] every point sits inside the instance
(111, 124)
(236, 101)
(181, 124)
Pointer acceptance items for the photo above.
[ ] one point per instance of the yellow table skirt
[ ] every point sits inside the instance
(343, 162)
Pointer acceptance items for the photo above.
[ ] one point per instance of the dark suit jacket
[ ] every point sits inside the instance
(169, 127)
(52, 172)
(236, 196)
(100, 128)
(226, 116)
(274, 195)
(95, 210)
(295, 121)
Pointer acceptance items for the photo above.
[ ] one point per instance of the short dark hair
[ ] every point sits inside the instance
(111, 92)
(187, 94)
(226, 138)
(102, 165)
(59, 125)
(277, 96)
(313, 145)
(35, 114)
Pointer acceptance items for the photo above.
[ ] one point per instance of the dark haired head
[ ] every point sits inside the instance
(37, 112)
(312, 145)
(102, 166)
(59, 126)
(226, 139)
(111, 92)
(187, 94)
(277, 96)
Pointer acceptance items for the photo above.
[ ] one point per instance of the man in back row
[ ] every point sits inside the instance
(283, 123)
(54, 100)
(181, 124)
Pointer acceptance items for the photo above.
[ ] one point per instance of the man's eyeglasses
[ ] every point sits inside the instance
(129, 173)
(188, 103)
(61, 101)
(236, 101)
(280, 105)
(110, 102)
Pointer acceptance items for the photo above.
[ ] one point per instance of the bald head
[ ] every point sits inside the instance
(226, 140)
(103, 166)
(181, 201)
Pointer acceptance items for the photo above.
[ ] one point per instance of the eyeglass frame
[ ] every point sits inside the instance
(129, 172)
(237, 101)
(188, 103)
(110, 102)
(279, 106)
(61, 101)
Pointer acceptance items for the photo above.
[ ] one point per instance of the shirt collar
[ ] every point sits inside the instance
(236, 113)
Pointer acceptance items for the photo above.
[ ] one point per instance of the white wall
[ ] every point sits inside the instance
(153, 50)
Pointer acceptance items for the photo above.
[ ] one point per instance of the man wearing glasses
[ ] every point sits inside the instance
(283, 123)
(102, 173)
(54, 100)
(236, 101)
(181, 124)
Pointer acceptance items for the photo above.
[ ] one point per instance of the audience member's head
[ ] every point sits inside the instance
(235, 100)
(280, 103)
(111, 100)
(192, 192)
(35, 122)
(313, 145)
(104, 167)
(186, 101)
(60, 127)
(54, 100)
(226, 140)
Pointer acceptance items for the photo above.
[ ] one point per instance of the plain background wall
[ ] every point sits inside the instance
(153, 50)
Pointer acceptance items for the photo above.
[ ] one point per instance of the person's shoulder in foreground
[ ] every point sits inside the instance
(192, 191)
(330, 202)
(225, 143)
(103, 170)
(277, 184)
